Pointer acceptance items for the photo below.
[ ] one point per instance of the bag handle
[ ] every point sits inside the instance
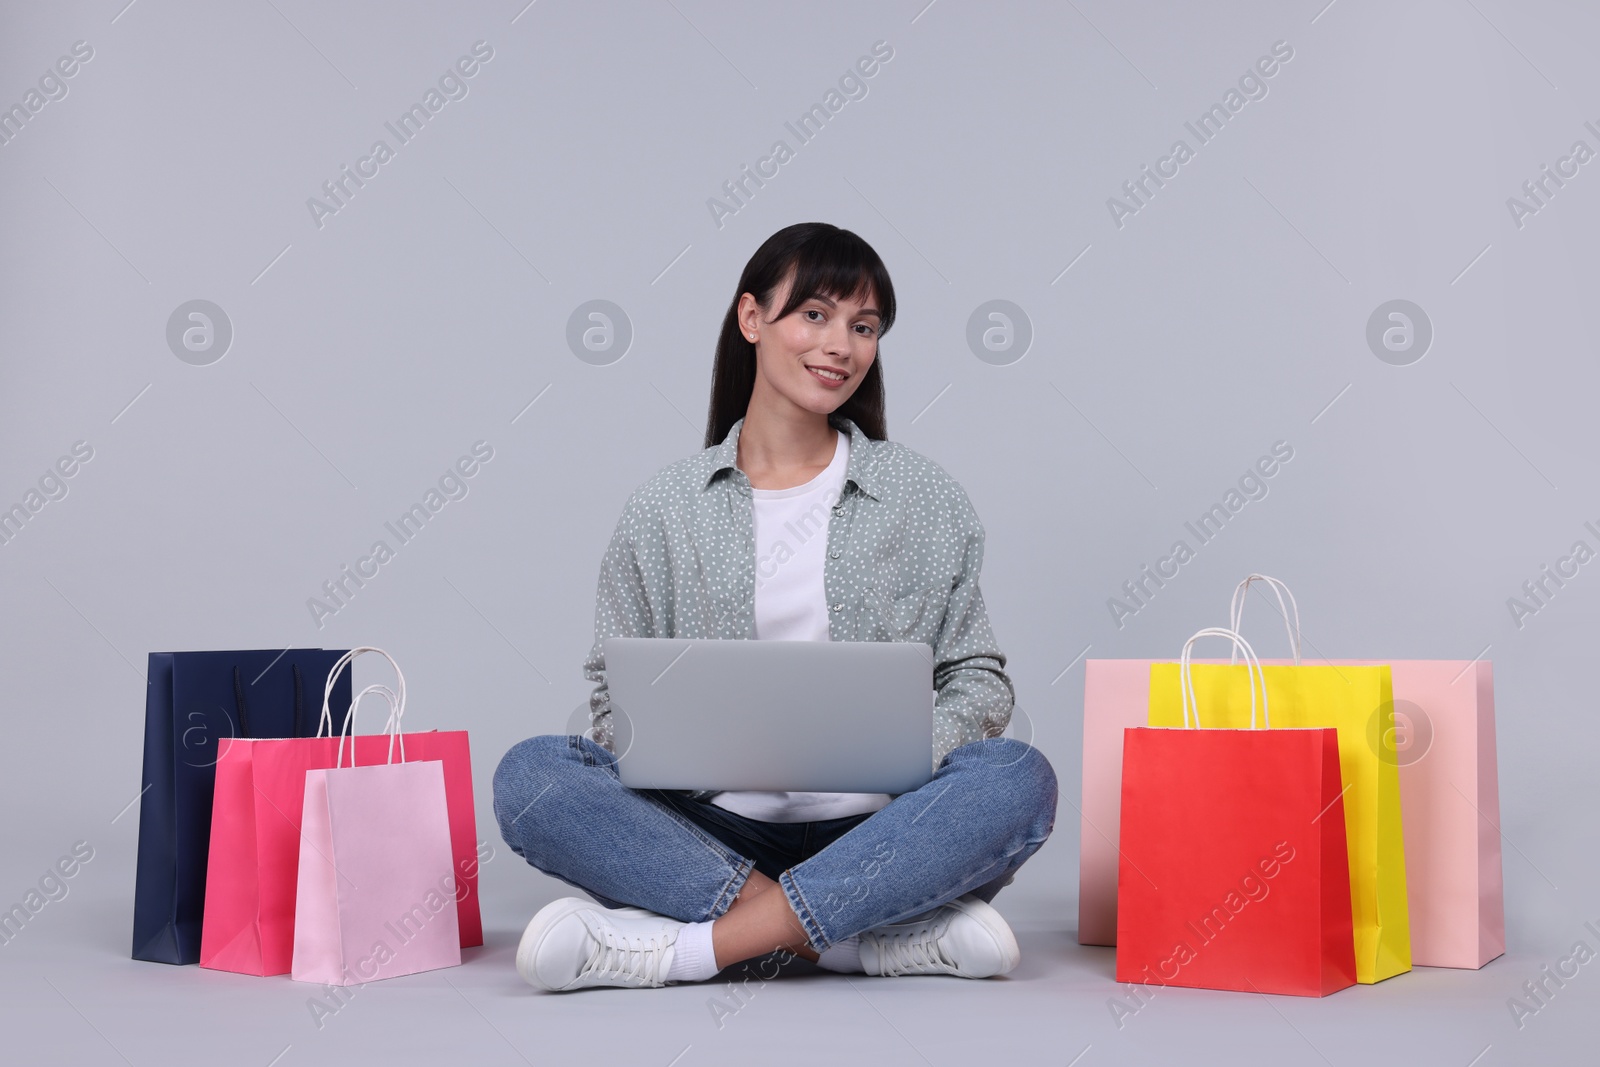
(244, 708)
(325, 723)
(299, 700)
(391, 727)
(1291, 611)
(1252, 669)
(239, 702)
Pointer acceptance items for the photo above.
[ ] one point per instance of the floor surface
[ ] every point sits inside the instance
(71, 995)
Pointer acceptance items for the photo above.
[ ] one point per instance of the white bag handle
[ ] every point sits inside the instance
(326, 722)
(1290, 612)
(391, 727)
(1252, 669)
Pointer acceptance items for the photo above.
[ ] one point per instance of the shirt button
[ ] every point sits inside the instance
(838, 509)
(833, 555)
(835, 607)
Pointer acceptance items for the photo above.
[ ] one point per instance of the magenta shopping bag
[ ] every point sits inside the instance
(376, 895)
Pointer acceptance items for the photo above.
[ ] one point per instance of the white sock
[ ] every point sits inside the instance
(693, 958)
(842, 956)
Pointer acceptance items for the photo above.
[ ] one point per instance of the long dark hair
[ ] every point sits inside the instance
(827, 261)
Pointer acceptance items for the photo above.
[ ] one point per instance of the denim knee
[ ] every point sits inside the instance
(526, 770)
(1023, 774)
(1042, 787)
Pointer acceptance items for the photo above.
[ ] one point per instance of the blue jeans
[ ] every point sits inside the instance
(990, 805)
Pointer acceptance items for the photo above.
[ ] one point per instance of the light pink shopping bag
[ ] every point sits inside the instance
(376, 893)
(1116, 696)
(1449, 797)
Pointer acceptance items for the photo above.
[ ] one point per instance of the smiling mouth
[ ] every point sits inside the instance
(828, 374)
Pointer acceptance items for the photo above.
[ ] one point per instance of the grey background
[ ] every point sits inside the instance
(367, 355)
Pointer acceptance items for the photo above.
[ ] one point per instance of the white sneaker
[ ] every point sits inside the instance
(575, 944)
(965, 937)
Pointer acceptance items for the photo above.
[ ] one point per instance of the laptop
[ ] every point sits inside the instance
(823, 716)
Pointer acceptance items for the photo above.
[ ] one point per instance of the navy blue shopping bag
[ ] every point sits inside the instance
(194, 700)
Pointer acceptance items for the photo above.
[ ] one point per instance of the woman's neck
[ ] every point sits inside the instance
(780, 452)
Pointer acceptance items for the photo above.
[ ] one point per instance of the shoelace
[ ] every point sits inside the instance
(621, 956)
(914, 952)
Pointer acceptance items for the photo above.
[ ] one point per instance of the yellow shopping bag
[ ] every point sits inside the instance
(1358, 702)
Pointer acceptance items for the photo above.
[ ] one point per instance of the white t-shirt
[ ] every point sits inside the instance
(791, 531)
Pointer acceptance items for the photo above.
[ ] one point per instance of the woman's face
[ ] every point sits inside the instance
(801, 355)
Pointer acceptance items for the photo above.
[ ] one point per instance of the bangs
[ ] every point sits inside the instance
(840, 266)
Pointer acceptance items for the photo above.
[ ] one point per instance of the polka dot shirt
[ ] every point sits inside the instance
(904, 551)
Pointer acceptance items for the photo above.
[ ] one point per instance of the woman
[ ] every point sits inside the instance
(724, 544)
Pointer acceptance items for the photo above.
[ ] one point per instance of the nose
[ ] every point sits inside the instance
(836, 339)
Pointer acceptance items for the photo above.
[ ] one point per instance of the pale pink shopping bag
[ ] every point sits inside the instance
(1116, 697)
(1449, 796)
(376, 894)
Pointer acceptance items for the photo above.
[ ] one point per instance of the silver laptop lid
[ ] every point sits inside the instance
(828, 716)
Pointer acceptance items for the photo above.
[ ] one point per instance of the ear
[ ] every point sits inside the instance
(749, 317)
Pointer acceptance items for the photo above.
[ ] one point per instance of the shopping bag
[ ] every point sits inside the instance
(1443, 742)
(193, 701)
(1116, 696)
(255, 841)
(1352, 700)
(375, 894)
(1233, 870)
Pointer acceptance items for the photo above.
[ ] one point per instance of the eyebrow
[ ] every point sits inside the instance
(874, 312)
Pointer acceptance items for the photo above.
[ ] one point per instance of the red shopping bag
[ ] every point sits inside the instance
(256, 833)
(1233, 871)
